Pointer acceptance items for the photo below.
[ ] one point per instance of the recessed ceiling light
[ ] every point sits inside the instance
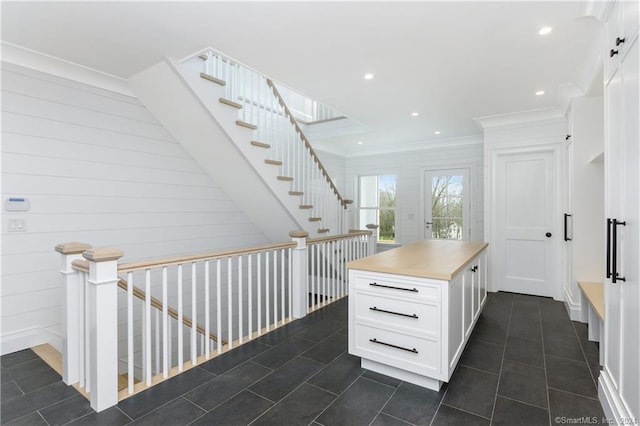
(368, 76)
(544, 30)
(540, 93)
(437, 132)
(415, 114)
(360, 142)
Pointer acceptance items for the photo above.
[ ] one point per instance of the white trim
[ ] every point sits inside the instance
(28, 338)
(518, 118)
(39, 61)
(573, 309)
(612, 405)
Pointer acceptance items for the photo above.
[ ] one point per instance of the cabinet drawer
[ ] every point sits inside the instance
(417, 316)
(401, 350)
(390, 285)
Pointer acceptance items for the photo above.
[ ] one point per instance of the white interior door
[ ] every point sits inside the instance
(525, 209)
(447, 208)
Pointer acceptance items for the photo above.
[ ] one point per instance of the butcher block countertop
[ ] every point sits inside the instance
(435, 259)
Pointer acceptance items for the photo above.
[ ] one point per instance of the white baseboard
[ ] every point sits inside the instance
(28, 338)
(612, 405)
(573, 309)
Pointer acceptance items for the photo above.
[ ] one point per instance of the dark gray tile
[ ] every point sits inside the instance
(299, 407)
(338, 375)
(413, 404)
(358, 405)
(288, 377)
(67, 410)
(524, 383)
(283, 353)
(235, 357)
(552, 310)
(386, 420)
(283, 333)
(223, 387)
(25, 369)
(525, 313)
(322, 330)
(240, 410)
(510, 413)
(498, 314)
(15, 358)
(483, 355)
(31, 382)
(10, 390)
(558, 327)
(328, 349)
(33, 419)
(568, 406)
(177, 412)
(147, 401)
(526, 330)
(571, 376)
(563, 346)
(524, 351)
(110, 417)
(472, 390)
(36, 400)
(449, 416)
(381, 378)
(490, 331)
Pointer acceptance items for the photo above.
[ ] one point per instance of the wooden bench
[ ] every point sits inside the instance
(592, 311)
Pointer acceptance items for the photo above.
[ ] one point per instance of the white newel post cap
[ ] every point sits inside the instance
(72, 248)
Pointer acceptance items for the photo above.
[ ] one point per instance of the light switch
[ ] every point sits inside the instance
(17, 225)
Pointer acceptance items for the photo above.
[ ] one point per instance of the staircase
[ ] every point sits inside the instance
(236, 124)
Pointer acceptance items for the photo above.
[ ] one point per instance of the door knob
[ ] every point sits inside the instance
(548, 234)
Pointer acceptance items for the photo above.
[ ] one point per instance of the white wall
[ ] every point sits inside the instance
(409, 166)
(97, 168)
(336, 167)
(587, 134)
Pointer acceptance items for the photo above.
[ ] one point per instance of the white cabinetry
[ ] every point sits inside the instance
(414, 328)
(619, 383)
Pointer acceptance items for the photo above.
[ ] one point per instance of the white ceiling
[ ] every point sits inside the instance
(449, 61)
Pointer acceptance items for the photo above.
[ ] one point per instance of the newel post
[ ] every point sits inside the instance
(71, 308)
(299, 274)
(346, 216)
(373, 238)
(103, 325)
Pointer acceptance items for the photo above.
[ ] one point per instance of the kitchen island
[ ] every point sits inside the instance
(413, 308)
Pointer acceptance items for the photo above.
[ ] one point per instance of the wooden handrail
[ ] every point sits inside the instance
(168, 261)
(336, 237)
(305, 140)
(83, 265)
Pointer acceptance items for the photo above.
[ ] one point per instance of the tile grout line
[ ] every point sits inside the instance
(584, 354)
(385, 404)
(544, 363)
(506, 337)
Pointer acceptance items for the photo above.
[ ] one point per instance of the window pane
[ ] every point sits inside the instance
(387, 230)
(368, 216)
(369, 191)
(447, 193)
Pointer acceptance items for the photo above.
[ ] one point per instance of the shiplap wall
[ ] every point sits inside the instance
(97, 168)
(409, 169)
(336, 167)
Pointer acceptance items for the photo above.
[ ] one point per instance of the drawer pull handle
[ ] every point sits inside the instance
(394, 313)
(414, 290)
(374, 340)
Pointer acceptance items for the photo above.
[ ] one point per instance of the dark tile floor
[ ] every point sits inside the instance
(526, 363)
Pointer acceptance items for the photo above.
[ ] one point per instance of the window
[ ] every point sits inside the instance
(377, 205)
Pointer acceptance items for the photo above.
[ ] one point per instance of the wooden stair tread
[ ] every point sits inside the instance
(285, 178)
(315, 219)
(260, 144)
(230, 103)
(245, 124)
(305, 206)
(213, 79)
(274, 162)
(323, 230)
(296, 193)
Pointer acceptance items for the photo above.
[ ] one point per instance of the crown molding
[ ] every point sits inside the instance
(39, 61)
(521, 117)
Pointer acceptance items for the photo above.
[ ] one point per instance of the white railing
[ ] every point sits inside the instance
(175, 313)
(263, 106)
